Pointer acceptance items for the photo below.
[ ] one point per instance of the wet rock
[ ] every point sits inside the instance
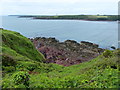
(90, 44)
(113, 47)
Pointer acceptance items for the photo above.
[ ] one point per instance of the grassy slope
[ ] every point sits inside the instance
(19, 46)
(98, 73)
(17, 49)
(101, 72)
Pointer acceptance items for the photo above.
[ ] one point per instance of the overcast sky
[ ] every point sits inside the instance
(59, 7)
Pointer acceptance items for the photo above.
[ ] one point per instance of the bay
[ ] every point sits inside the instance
(104, 33)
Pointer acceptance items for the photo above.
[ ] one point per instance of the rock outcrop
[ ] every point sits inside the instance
(68, 52)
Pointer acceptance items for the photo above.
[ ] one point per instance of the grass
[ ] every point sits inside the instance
(21, 69)
(16, 45)
(98, 73)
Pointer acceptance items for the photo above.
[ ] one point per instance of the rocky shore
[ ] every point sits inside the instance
(68, 52)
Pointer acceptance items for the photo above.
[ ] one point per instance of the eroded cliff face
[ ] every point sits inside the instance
(68, 52)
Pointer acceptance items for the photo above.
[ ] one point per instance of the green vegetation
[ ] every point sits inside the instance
(16, 49)
(107, 53)
(21, 69)
(19, 47)
(79, 17)
(21, 78)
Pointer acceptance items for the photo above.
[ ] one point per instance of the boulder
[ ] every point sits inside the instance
(90, 44)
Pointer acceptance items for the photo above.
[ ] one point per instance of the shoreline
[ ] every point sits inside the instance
(66, 53)
(70, 19)
(74, 17)
(111, 47)
(78, 19)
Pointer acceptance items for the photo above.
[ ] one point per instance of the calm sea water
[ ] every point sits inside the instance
(100, 32)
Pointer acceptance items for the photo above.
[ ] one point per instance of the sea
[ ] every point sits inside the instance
(103, 33)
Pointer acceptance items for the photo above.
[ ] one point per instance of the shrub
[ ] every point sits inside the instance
(9, 69)
(21, 78)
(31, 67)
(8, 60)
(107, 53)
(117, 53)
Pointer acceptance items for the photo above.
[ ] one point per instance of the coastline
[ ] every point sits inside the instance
(66, 53)
(24, 67)
(77, 19)
(74, 17)
(71, 19)
(69, 52)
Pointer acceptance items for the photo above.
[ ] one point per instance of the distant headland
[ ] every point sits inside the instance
(74, 17)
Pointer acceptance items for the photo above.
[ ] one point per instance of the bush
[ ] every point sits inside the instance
(21, 78)
(117, 53)
(31, 67)
(26, 65)
(8, 69)
(107, 54)
(8, 60)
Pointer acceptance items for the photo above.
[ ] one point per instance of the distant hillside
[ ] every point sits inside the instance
(23, 67)
(76, 17)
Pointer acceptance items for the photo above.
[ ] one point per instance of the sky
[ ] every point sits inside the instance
(58, 7)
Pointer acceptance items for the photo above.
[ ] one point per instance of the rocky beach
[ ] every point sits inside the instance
(68, 52)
